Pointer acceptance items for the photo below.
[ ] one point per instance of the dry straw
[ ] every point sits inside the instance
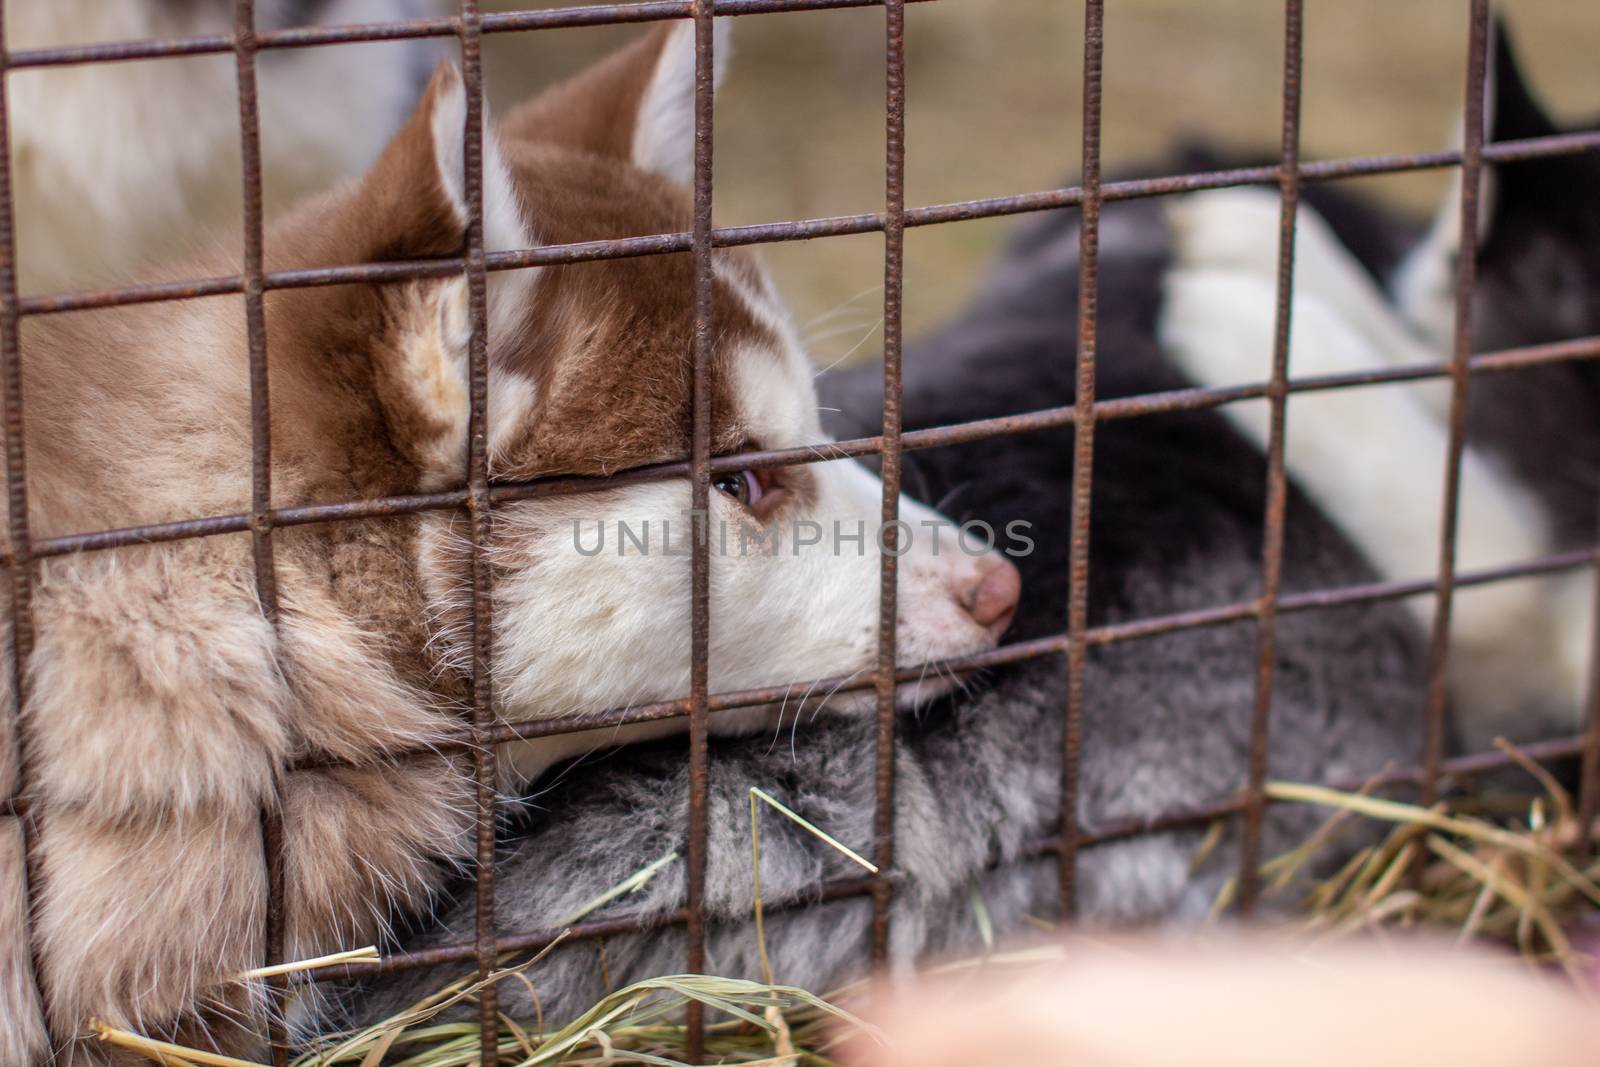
(1492, 867)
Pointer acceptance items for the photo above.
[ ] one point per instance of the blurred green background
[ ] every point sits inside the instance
(993, 108)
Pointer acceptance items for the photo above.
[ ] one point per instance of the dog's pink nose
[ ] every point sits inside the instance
(992, 599)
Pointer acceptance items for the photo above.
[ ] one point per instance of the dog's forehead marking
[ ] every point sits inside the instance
(774, 385)
(609, 344)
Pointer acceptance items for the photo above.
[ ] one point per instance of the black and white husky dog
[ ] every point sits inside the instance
(1186, 298)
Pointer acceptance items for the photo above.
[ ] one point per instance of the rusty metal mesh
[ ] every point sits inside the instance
(477, 496)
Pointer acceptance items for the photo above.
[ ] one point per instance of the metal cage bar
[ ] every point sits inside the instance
(266, 581)
(23, 564)
(704, 12)
(806, 229)
(403, 29)
(894, 253)
(1082, 450)
(1272, 521)
(479, 512)
(1472, 138)
(1589, 766)
(1127, 407)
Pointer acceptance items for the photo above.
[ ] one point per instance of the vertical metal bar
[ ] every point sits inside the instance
(1277, 483)
(1083, 448)
(700, 479)
(23, 564)
(894, 224)
(255, 321)
(244, 48)
(1460, 379)
(1589, 776)
(478, 508)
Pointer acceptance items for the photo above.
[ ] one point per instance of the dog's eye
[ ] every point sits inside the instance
(743, 486)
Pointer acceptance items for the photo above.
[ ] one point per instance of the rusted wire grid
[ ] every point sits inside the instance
(894, 248)
(479, 496)
(807, 229)
(1277, 477)
(1083, 424)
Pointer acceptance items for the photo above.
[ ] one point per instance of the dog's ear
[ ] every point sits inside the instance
(637, 105)
(1539, 257)
(415, 196)
(413, 203)
(1538, 233)
(1514, 114)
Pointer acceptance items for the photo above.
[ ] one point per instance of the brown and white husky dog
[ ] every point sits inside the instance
(164, 710)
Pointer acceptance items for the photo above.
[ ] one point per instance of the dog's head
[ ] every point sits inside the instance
(1539, 233)
(590, 373)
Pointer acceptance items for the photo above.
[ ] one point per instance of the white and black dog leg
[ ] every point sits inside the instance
(1373, 459)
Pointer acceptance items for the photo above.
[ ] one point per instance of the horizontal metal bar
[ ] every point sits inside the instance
(536, 940)
(798, 230)
(1140, 406)
(406, 29)
(1458, 767)
(1115, 633)
(844, 888)
(183, 529)
(1017, 652)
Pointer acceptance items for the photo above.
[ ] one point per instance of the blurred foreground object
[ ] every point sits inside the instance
(1250, 1003)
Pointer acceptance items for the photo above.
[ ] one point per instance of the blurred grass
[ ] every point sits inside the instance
(993, 108)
